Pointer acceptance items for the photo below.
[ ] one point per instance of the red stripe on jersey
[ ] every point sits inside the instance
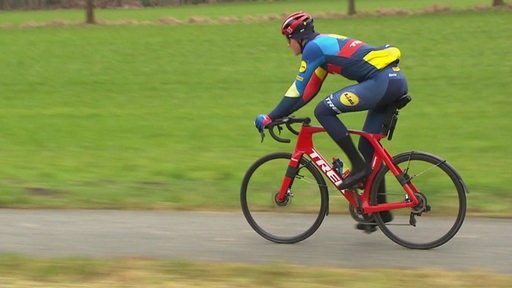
(312, 87)
(333, 69)
(350, 48)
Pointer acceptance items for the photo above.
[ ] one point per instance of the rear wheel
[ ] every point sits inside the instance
(442, 201)
(299, 215)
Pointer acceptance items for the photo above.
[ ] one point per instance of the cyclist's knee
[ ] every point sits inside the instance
(322, 110)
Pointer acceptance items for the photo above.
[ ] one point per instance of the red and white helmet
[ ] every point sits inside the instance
(297, 25)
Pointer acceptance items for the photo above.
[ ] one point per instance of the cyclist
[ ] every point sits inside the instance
(379, 82)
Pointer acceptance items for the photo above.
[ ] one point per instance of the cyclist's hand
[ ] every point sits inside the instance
(261, 121)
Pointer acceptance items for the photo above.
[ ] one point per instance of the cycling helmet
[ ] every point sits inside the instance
(298, 25)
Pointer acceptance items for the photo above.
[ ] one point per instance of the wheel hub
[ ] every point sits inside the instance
(422, 206)
(286, 200)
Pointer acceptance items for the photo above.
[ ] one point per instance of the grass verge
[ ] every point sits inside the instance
(16, 271)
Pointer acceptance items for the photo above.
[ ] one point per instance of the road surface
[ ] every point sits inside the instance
(481, 244)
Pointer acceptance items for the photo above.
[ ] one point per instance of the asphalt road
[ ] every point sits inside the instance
(481, 244)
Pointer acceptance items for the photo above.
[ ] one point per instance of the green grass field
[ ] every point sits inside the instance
(161, 116)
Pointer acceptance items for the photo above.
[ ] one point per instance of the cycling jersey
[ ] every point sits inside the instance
(336, 54)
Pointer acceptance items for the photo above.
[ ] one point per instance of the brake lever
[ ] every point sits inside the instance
(262, 132)
(279, 129)
(272, 133)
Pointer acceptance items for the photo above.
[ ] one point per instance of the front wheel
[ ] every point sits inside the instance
(303, 209)
(442, 201)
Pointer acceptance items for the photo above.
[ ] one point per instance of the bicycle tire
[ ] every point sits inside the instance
(443, 201)
(303, 211)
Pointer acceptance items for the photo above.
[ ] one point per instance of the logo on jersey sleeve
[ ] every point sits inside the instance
(303, 66)
(349, 99)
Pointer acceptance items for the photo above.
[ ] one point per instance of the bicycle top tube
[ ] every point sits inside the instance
(306, 121)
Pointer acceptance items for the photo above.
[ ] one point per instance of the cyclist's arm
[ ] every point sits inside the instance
(308, 82)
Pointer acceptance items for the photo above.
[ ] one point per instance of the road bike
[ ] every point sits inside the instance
(284, 196)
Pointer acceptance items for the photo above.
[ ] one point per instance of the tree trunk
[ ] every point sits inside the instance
(89, 12)
(5, 4)
(351, 7)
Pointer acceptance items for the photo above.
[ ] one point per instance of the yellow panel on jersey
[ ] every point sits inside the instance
(321, 73)
(337, 36)
(382, 58)
(292, 91)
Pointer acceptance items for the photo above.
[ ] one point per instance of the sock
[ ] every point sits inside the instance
(353, 155)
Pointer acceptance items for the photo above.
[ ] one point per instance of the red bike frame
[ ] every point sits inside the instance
(305, 146)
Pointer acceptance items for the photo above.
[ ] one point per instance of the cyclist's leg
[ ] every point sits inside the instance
(396, 87)
(373, 124)
(388, 85)
(350, 99)
(383, 88)
(360, 169)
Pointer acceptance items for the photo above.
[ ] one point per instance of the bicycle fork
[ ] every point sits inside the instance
(291, 173)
